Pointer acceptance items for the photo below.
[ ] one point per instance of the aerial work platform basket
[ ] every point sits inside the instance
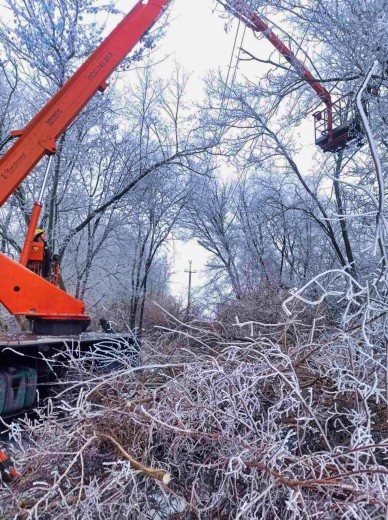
(346, 126)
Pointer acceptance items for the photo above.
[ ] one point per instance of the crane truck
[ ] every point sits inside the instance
(54, 314)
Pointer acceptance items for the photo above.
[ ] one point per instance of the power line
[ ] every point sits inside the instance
(224, 107)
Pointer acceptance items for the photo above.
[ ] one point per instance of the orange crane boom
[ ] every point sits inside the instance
(39, 137)
(335, 127)
(23, 292)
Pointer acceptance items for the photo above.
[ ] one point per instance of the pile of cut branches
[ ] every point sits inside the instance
(212, 428)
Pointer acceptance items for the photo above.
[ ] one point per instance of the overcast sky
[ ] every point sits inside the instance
(196, 36)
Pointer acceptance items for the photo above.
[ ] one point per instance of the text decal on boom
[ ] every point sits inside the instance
(94, 73)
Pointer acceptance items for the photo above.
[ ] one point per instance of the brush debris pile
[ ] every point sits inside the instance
(266, 425)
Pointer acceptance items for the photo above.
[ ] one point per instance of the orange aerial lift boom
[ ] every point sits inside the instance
(337, 125)
(23, 292)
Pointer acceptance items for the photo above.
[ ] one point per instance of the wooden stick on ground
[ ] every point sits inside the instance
(157, 474)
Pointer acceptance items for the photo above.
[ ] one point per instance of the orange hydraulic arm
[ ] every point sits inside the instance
(23, 292)
(251, 19)
(39, 137)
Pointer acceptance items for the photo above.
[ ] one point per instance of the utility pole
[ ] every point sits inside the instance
(190, 271)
